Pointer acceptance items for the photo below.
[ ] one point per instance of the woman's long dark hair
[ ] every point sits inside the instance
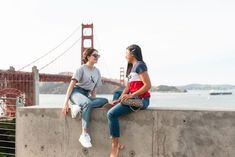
(87, 53)
(136, 51)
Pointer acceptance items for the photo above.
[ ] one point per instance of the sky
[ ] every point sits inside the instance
(182, 41)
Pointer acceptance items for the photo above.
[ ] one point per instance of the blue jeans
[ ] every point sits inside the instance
(78, 97)
(119, 110)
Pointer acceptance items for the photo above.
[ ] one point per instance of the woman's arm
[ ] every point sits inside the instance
(126, 90)
(147, 84)
(93, 92)
(68, 93)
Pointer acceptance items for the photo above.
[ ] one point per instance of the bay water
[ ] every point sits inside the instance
(199, 99)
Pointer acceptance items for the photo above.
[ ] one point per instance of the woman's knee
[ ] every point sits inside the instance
(86, 104)
(145, 103)
(104, 100)
(100, 100)
(117, 94)
(87, 101)
(115, 111)
(110, 114)
(78, 98)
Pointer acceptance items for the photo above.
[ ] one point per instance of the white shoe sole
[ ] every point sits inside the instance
(86, 146)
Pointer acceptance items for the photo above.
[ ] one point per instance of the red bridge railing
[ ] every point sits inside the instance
(27, 83)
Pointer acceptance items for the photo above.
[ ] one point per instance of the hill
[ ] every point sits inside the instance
(207, 87)
(61, 88)
(165, 88)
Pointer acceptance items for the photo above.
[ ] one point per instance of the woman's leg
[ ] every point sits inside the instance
(98, 102)
(113, 118)
(117, 94)
(146, 102)
(86, 112)
(85, 103)
(113, 115)
(113, 122)
(119, 110)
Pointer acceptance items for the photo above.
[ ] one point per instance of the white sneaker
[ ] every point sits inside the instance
(85, 140)
(74, 109)
(88, 136)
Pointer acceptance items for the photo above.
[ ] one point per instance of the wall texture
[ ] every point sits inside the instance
(46, 132)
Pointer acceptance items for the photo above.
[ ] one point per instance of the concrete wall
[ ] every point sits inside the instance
(45, 132)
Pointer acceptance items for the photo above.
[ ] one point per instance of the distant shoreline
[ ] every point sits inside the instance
(61, 88)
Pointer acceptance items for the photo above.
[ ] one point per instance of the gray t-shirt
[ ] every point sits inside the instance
(87, 79)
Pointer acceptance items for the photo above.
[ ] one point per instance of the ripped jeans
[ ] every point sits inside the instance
(80, 97)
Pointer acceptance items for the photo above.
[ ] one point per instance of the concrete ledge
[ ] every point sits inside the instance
(45, 132)
(163, 108)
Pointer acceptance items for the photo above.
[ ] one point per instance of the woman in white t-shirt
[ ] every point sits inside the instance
(82, 93)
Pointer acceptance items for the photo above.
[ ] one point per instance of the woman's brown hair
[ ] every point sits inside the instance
(87, 53)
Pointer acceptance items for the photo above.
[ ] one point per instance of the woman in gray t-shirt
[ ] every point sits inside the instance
(82, 93)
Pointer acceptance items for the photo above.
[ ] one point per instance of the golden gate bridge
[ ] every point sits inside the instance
(20, 84)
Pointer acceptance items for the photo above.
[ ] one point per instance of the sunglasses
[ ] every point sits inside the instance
(96, 55)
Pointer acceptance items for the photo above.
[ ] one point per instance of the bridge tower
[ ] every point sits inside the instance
(87, 38)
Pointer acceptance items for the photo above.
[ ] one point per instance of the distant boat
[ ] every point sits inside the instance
(220, 92)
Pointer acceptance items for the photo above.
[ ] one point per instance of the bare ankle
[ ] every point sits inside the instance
(115, 147)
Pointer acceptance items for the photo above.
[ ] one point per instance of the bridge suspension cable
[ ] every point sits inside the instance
(60, 55)
(100, 49)
(53, 49)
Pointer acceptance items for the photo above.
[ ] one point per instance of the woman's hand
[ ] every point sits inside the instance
(126, 96)
(65, 109)
(114, 102)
